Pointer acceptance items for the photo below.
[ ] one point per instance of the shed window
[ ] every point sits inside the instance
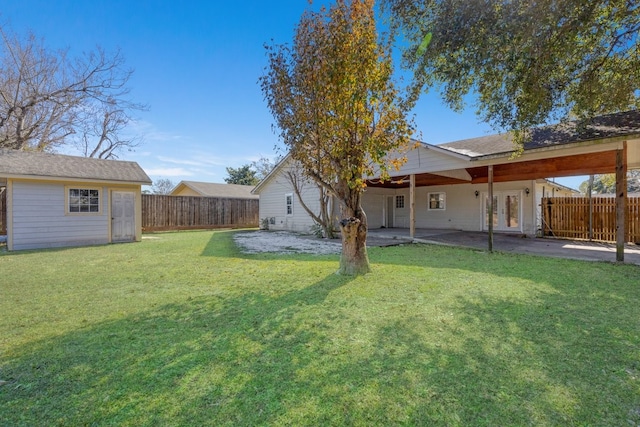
(84, 200)
(289, 202)
(436, 201)
(399, 202)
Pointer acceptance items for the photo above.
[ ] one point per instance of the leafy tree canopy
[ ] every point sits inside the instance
(530, 62)
(244, 175)
(606, 184)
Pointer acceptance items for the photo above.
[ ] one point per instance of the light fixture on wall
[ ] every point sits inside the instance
(526, 190)
(477, 193)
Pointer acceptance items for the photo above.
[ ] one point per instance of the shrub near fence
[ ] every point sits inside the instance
(161, 213)
(569, 217)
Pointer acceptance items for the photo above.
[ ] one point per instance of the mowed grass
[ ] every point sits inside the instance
(183, 330)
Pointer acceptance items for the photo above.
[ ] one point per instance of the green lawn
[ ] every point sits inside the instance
(182, 329)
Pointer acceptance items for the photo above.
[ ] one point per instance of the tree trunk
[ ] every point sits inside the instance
(354, 259)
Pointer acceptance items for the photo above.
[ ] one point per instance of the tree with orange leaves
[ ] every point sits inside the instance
(339, 112)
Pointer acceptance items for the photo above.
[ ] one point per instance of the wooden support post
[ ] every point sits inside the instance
(412, 206)
(491, 208)
(590, 207)
(621, 200)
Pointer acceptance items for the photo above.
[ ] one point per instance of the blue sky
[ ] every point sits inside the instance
(196, 65)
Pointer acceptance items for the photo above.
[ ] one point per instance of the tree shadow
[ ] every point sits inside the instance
(301, 359)
(557, 355)
(209, 359)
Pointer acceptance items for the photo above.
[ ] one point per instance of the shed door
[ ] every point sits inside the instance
(123, 218)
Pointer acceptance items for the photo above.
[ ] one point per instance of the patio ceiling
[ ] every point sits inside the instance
(580, 164)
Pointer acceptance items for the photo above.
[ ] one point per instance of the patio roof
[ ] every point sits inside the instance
(610, 126)
(566, 149)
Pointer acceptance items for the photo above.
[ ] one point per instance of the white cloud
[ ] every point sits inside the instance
(180, 161)
(168, 172)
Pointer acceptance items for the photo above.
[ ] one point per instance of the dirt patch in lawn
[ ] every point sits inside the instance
(285, 242)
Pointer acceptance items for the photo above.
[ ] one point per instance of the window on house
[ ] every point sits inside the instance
(399, 202)
(436, 201)
(289, 202)
(83, 200)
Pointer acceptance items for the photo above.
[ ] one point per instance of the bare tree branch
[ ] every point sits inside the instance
(48, 100)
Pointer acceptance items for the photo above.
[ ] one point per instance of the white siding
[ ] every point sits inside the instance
(423, 160)
(273, 204)
(373, 204)
(40, 219)
(463, 209)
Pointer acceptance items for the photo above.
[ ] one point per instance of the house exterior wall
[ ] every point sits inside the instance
(463, 210)
(38, 217)
(423, 159)
(374, 204)
(273, 204)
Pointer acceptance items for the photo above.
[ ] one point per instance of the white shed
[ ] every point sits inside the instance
(56, 200)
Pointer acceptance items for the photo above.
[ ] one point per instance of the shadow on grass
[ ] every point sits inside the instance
(555, 358)
(555, 354)
(210, 361)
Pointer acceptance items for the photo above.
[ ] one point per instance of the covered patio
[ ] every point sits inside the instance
(603, 145)
(557, 248)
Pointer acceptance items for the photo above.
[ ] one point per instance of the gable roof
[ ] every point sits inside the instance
(39, 165)
(609, 126)
(212, 189)
(272, 173)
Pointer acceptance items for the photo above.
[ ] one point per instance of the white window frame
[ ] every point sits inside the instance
(400, 201)
(75, 200)
(288, 204)
(442, 201)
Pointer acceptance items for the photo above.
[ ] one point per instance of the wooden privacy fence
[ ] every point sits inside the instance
(569, 217)
(189, 212)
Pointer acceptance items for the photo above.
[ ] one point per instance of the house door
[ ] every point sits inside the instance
(123, 219)
(388, 211)
(507, 212)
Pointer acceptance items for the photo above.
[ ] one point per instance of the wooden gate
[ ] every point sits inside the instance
(577, 218)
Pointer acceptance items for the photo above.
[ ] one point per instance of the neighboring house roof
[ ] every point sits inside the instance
(212, 189)
(39, 165)
(570, 132)
(559, 186)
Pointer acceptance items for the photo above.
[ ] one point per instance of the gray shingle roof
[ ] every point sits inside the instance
(26, 164)
(608, 126)
(212, 189)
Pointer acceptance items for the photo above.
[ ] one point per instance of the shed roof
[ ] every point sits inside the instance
(212, 189)
(569, 132)
(39, 165)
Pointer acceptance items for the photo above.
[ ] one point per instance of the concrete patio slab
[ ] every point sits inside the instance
(515, 243)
